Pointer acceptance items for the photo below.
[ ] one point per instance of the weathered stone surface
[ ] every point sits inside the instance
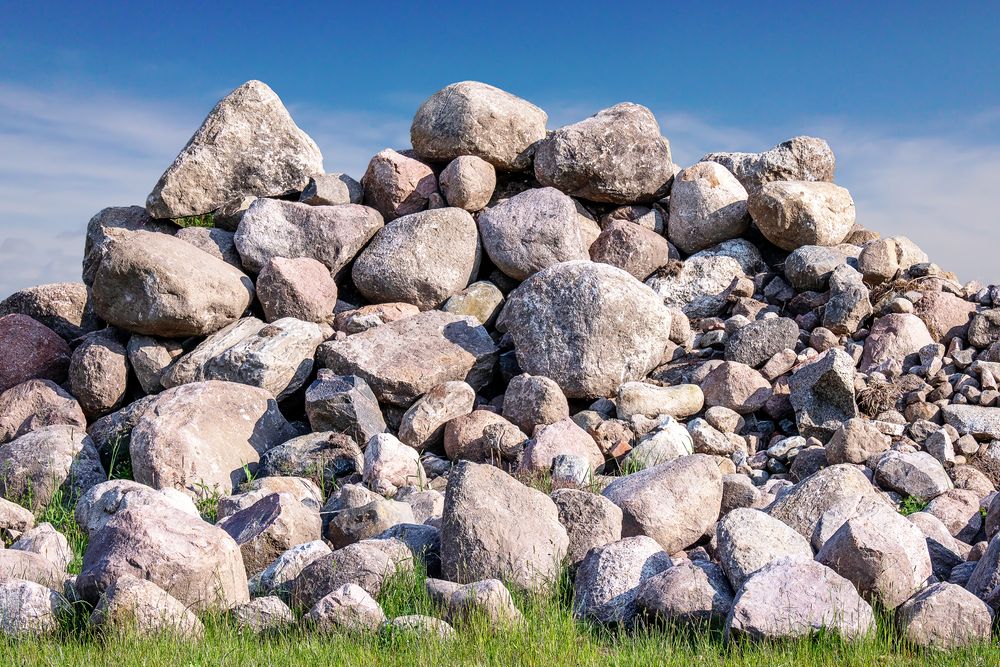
(958, 510)
(674, 503)
(481, 300)
(364, 563)
(496, 527)
(331, 189)
(750, 539)
(332, 235)
(792, 214)
(755, 343)
(263, 614)
(368, 317)
(48, 543)
(133, 604)
(810, 266)
(270, 527)
(324, 457)
(419, 626)
(698, 286)
(892, 339)
(102, 226)
(489, 598)
(98, 374)
(641, 398)
(248, 145)
(916, 474)
(481, 436)
(532, 231)
(102, 501)
(534, 400)
(472, 118)
(41, 462)
(150, 358)
(423, 423)
(301, 288)
(35, 404)
(945, 315)
(632, 248)
(348, 607)
(590, 520)
(566, 325)
(63, 307)
(616, 156)
(390, 465)
(31, 350)
(882, 554)
(610, 576)
(29, 566)
(360, 523)
(973, 420)
(277, 577)
(802, 507)
(397, 185)
(301, 489)
(407, 358)
(798, 159)
(563, 437)
(216, 242)
(29, 609)
(855, 441)
(707, 206)
(822, 394)
(985, 579)
(345, 404)
(669, 440)
(945, 616)
(199, 436)
(158, 285)
(193, 561)
(468, 182)
(736, 386)
(690, 592)
(984, 329)
(794, 598)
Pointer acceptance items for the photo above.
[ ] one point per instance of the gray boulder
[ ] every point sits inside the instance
(345, 404)
(468, 182)
(758, 341)
(792, 214)
(35, 404)
(65, 308)
(331, 189)
(822, 394)
(28, 609)
(749, 539)
(133, 604)
(590, 520)
(707, 206)
(103, 225)
(690, 592)
(798, 159)
(699, 286)
(396, 185)
(609, 578)
(42, 462)
(945, 616)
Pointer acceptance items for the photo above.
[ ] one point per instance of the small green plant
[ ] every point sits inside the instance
(206, 220)
(248, 477)
(120, 461)
(207, 501)
(911, 505)
(59, 513)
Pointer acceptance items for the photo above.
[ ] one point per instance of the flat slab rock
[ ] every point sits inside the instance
(405, 359)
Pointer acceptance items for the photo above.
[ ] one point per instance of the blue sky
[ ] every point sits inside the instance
(95, 101)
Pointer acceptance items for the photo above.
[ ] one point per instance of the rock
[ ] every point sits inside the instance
(278, 576)
(565, 325)
(14, 519)
(132, 604)
(31, 350)
(404, 359)
(98, 374)
(324, 457)
(396, 185)
(480, 300)
(423, 424)
(616, 156)
(674, 503)
(36, 404)
(668, 441)
(364, 318)
(103, 225)
(301, 288)
(795, 598)
(102, 501)
(750, 539)
(882, 554)
(641, 398)
(332, 235)
(347, 607)
(707, 206)
(590, 520)
(29, 609)
(355, 524)
(17, 564)
(193, 561)
(856, 441)
(345, 404)
(248, 145)
(263, 614)
(533, 400)
(155, 284)
(916, 474)
(798, 159)
(270, 527)
(199, 436)
(480, 436)
(809, 267)
(941, 546)
(736, 386)
(690, 592)
(531, 231)
(973, 420)
(488, 598)
(755, 343)
(192, 367)
(563, 437)
(63, 307)
(516, 536)
(892, 339)
(984, 329)
(216, 242)
(744, 252)
(427, 505)
(791, 214)
(985, 579)
(40, 463)
(301, 489)
(390, 465)
(331, 189)
(699, 286)
(149, 358)
(803, 506)
(417, 625)
(48, 543)
(468, 182)
(472, 118)
(958, 510)
(822, 394)
(945, 315)
(362, 563)
(610, 576)
(928, 619)
(632, 248)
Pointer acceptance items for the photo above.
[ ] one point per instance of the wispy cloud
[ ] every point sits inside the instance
(63, 157)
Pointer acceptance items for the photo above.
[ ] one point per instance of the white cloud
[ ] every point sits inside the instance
(64, 156)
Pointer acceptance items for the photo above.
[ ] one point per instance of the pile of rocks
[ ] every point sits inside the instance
(733, 391)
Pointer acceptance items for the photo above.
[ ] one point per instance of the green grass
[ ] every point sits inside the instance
(60, 514)
(206, 220)
(911, 505)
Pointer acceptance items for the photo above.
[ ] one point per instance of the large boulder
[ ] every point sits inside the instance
(407, 358)
(104, 224)
(616, 156)
(301, 288)
(345, 404)
(566, 324)
(496, 527)
(133, 604)
(270, 527)
(423, 424)
(199, 437)
(792, 214)
(17, 564)
(247, 146)
(707, 206)
(749, 539)
(396, 185)
(591, 520)
(532, 231)
(609, 578)
(35, 404)
(798, 159)
(674, 502)
(158, 285)
(822, 394)
(632, 248)
(102, 501)
(977, 421)
(945, 315)
(332, 235)
(30, 350)
(29, 609)
(63, 307)
(472, 118)
(193, 561)
(804, 505)
(691, 592)
(98, 374)
(916, 474)
(368, 564)
(945, 616)
(699, 286)
(421, 258)
(40, 463)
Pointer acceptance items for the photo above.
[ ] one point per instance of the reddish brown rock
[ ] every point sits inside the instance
(736, 386)
(301, 288)
(397, 185)
(30, 350)
(632, 248)
(945, 315)
(35, 404)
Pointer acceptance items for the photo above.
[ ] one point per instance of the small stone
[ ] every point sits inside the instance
(736, 386)
(707, 206)
(348, 607)
(822, 394)
(396, 185)
(330, 190)
(390, 465)
(755, 343)
(98, 374)
(641, 398)
(481, 301)
(856, 441)
(345, 404)
(301, 288)
(468, 182)
(263, 614)
(632, 248)
(560, 438)
(423, 423)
